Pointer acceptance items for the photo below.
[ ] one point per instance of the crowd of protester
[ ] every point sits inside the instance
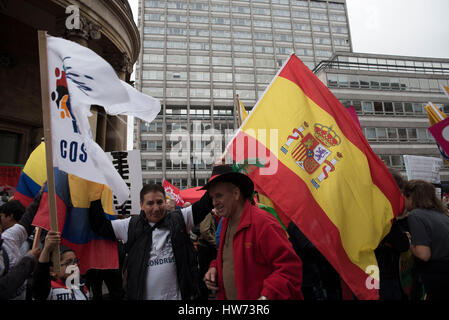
(222, 247)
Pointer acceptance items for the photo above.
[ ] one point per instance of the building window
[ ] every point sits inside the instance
(301, 14)
(243, 62)
(239, 9)
(243, 48)
(199, 46)
(176, 45)
(302, 26)
(241, 22)
(176, 18)
(201, 60)
(220, 7)
(220, 21)
(261, 49)
(154, 4)
(176, 5)
(153, 44)
(262, 23)
(262, 36)
(261, 11)
(367, 107)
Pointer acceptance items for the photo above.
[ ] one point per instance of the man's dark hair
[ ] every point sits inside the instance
(151, 188)
(13, 207)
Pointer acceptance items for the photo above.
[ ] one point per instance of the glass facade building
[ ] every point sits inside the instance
(198, 54)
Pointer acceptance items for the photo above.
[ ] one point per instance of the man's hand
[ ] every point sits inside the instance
(210, 279)
(34, 253)
(52, 241)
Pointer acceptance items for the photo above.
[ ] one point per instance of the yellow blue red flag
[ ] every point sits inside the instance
(72, 203)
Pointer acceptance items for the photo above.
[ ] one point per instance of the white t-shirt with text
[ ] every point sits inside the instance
(161, 279)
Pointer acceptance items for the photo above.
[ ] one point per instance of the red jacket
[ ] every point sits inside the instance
(265, 263)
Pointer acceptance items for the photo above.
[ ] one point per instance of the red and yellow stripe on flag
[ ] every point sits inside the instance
(321, 172)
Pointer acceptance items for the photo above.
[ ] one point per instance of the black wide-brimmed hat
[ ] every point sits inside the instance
(224, 173)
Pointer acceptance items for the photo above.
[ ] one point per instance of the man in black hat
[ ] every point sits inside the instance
(255, 259)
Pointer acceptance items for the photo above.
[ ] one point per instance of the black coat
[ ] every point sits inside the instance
(139, 244)
(139, 248)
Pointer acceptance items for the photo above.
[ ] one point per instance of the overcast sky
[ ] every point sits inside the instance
(400, 27)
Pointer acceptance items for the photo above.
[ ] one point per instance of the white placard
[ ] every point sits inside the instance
(128, 165)
(424, 168)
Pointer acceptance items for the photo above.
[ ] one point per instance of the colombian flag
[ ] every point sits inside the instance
(321, 172)
(33, 176)
(72, 203)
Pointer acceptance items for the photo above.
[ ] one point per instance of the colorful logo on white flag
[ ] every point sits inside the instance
(78, 78)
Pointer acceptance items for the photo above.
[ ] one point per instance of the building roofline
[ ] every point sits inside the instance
(386, 56)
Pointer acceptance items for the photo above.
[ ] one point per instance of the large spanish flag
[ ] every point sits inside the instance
(321, 172)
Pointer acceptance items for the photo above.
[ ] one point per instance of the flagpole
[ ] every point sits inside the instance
(43, 62)
(239, 121)
(37, 236)
(238, 109)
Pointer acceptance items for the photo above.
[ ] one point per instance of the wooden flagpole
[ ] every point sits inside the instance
(238, 109)
(222, 159)
(37, 236)
(45, 93)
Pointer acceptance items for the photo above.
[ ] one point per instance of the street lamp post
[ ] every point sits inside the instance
(194, 170)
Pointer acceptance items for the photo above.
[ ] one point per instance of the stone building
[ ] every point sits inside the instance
(106, 26)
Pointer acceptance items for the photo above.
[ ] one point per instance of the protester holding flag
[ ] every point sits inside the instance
(162, 263)
(388, 253)
(206, 244)
(13, 239)
(320, 280)
(50, 285)
(12, 278)
(255, 259)
(171, 204)
(429, 229)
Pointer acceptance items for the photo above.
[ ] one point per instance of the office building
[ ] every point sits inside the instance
(389, 94)
(198, 54)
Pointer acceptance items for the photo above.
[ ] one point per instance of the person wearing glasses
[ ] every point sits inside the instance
(51, 285)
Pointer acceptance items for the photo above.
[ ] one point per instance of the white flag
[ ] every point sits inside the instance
(78, 77)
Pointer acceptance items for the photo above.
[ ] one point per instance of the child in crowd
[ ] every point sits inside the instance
(50, 285)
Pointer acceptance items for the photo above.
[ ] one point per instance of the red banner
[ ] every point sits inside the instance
(9, 176)
(173, 192)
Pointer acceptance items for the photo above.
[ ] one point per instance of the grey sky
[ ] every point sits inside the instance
(400, 27)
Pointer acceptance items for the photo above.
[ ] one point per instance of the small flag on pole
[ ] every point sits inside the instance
(436, 116)
(445, 90)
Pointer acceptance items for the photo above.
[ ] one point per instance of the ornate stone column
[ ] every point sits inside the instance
(116, 129)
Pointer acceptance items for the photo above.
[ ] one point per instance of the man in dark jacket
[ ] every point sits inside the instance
(13, 277)
(17, 267)
(161, 262)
